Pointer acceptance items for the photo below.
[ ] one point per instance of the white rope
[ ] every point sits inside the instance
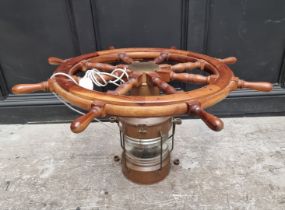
(91, 74)
(95, 76)
(64, 74)
(59, 98)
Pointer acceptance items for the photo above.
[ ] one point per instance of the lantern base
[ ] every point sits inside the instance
(146, 177)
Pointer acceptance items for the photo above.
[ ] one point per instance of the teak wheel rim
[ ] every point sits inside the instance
(144, 106)
(218, 85)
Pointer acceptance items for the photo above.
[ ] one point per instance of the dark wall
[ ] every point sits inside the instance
(33, 30)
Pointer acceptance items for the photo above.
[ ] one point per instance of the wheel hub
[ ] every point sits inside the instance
(144, 66)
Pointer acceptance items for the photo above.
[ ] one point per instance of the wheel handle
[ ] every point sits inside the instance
(213, 122)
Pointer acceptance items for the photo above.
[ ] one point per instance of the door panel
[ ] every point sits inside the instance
(253, 31)
(33, 30)
(129, 23)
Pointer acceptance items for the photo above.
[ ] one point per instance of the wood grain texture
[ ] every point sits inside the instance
(185, 66)
(161, 58)
(260, 86)
(30, 88)
(150, 106)
(165, 87)
(124, 57)
(100, 66)
(193, 78)
(228, 60)
(125, 87)
(118, 104)
(210, 120)
(55, 61)
(81, 123)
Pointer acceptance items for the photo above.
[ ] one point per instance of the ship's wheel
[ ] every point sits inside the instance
(143, 104)
(149, 70)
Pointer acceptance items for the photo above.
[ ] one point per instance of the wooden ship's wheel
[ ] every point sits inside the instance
(144, 104)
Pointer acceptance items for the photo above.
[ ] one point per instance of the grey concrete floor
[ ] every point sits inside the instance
(48, 167)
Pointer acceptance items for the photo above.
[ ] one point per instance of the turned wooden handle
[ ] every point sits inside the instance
(124, 57)
(260, 86)
(194, 78)
(101, 66)
(124, 88)
(30, 88)
(166, 88)
(210, 120)
(81, 123)
(180, 67)
(162, 57)
(228, 60)
(55, 61)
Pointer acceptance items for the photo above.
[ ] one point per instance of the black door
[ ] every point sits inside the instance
(33, 30)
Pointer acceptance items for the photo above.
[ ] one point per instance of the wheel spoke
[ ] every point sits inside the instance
(181, 67)
(106, 78)
(228, 60)
(165, 87)
(100, 66)
(162, 57)
(82, 122)
(125, 87)
(81, 66)
(125, 58)
(30, 88)
(55, 61)
(193, 78)
(213, 122)
(259, 86)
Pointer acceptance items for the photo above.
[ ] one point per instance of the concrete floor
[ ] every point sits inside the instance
(48, 167)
